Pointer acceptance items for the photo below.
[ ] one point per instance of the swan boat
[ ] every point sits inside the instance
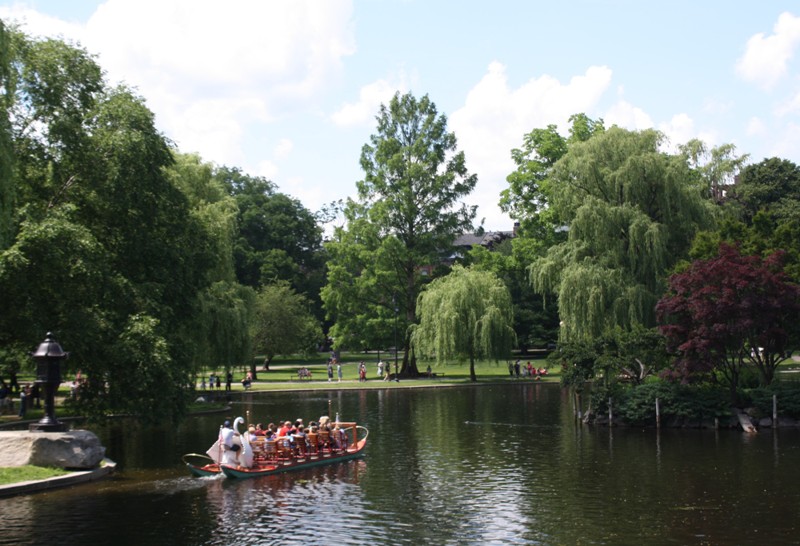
(260, 457)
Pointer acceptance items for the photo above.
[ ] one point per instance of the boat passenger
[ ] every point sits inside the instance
(226, 436)
(300, 440)
(339, 438)
(285, 429)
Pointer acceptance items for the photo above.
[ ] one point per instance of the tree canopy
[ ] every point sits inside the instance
(729, 312)
(530, 188)
(465, 315)
(408, 213)
(277, 237)
(284, 323)
(631, 211)
(109, 243)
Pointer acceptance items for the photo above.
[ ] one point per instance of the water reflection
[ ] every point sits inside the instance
(473, 465)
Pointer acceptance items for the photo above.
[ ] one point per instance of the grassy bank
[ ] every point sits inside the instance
(282, 376)
(283, 372)
(18, 474)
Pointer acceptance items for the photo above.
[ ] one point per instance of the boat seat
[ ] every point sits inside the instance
(325, 441)
(270, 450)
(300, 446)
(312, 439)
(284, 449)
(258, 448)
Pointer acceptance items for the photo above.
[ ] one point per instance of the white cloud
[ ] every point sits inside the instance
(786, 143)
(680, 129)
(495, 118)
(210, 69)
(766, 57)
(38, 24)
(370, 97)
(267, 169)
(626, 115)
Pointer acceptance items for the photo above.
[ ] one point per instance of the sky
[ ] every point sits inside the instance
(289, 89)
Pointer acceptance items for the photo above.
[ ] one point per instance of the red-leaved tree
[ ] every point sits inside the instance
(730, 312)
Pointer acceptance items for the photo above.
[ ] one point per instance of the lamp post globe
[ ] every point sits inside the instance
(48, 357)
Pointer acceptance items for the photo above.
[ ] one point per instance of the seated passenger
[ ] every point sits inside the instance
(339, 438)
(286, 429)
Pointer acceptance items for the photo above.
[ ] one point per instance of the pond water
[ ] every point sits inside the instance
(465, 465)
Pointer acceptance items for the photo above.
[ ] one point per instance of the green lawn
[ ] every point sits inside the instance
(283, 373)
(283, 376)
(26, 473)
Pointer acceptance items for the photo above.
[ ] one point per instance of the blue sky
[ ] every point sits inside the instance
(289, 90)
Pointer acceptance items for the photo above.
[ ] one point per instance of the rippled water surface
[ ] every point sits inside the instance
(466, 465)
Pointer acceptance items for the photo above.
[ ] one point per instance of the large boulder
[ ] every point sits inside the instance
(78, 449)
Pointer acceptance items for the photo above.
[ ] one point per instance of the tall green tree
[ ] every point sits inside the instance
(109, 248)
(283, 324)
(278, 239)
(6, 145)
(761, 215)
(465, 315)
(529, 191)
(717, 167)
(772, 186)
(631, 212)
(408, 213)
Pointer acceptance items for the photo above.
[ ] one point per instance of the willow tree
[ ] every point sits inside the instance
(465, 315)
(409, 211)
(631, 211)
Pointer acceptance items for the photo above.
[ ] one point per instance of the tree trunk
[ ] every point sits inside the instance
(472, 376)
(409, 359)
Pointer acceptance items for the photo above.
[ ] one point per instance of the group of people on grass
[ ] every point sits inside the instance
(29, 396)
(215, 380)
(517, 369)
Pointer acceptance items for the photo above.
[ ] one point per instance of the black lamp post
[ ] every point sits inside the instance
(48, 359)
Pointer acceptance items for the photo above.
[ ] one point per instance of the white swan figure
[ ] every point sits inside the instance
(246, 453)
(228, 457)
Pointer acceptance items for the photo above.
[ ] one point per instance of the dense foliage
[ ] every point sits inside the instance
(465, 315)
(149, 264)
(409, 212)
(124, 248)
(631, 212)
(283, 324)
(724, 314)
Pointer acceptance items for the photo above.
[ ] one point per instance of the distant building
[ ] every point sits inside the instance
(464, 242)
(487, 239)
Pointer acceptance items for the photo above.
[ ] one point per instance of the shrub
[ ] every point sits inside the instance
(788, 393)
(636, 405)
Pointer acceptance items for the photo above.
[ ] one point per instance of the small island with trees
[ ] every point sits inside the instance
(661, 278)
